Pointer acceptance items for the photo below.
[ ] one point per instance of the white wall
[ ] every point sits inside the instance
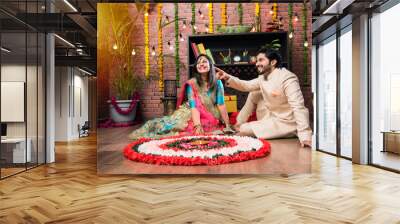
(62, 80)
(16, 73)
(33, 126)
(71, 94)
(81, 101)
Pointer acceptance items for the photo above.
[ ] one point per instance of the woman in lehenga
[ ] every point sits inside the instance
(201, 107)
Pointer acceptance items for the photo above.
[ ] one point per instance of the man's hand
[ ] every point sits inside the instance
(305, 143)
(222, 74)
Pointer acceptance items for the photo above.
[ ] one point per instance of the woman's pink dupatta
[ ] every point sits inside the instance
(207, 119)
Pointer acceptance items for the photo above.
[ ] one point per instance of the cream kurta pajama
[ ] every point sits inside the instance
(281, 113)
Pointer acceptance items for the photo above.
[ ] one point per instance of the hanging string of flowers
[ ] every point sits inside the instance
(211, 18)
(223, 14)
(193, 22)
(240, 12)
(258, 19)
(177, 62)
(146, 41)
(160, 49)
(274, 12)
(290, 14)
(305, 47)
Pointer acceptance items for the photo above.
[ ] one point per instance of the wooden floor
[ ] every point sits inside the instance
(286, 157)
(10, 171)
(70, 191)
(386, 159)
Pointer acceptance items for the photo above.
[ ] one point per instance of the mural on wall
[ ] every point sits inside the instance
(154, 109)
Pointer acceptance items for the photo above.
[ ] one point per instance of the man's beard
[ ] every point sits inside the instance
(265, 71)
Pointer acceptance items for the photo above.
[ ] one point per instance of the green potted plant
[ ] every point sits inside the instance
(226, 59)
(273, 45)
(233, 28)
(123, 105)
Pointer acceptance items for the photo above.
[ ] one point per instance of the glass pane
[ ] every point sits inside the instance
(31, 97)
(346, 94)
(385, 84)
(13, 86)
(327, 95)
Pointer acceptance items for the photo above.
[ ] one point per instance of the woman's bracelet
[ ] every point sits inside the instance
(197, 126)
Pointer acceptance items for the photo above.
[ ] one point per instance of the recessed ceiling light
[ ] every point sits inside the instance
(5, 50)
(84, 71)
(64, 40)
(70, 5)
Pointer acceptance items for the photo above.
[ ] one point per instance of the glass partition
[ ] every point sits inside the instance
(327, 95)
(385, 89)
(22, 88)
(346, 92)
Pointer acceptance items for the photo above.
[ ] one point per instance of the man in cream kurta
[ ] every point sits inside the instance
(282, 112)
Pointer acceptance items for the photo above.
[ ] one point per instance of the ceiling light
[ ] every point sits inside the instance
(337, 7)
(84, 71)
(5, 50)
(70, 5)
(64, 40)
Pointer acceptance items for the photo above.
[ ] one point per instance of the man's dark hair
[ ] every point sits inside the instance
(271, 55)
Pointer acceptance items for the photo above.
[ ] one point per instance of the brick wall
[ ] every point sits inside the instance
(151, 105)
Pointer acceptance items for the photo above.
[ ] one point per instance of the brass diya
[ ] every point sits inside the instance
(200, 142)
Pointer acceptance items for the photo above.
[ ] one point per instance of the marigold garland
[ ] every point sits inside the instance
(132, 105)
(274, 12)
(258, 19)
(211, 18)
(223, 14)
(160, 49)
(146, 42)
